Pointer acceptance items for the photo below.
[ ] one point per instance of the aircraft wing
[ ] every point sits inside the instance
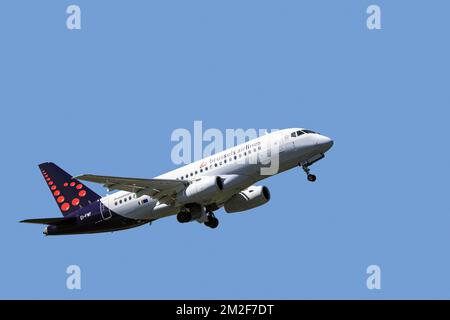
(160, 189)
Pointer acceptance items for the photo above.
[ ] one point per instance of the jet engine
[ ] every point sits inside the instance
(249, 198)
(201, 191)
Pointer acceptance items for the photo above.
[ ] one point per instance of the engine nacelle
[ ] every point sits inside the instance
(247, 199)
(235, 182)
(201, 190)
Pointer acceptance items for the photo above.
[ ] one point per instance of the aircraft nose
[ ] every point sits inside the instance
(324, 142)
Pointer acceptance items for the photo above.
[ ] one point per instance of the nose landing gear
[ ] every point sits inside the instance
(311, 177)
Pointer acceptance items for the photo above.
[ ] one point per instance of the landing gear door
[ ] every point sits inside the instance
(104, 210)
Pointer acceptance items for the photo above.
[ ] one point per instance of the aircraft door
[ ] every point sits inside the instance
(286, 143)
(104, 210)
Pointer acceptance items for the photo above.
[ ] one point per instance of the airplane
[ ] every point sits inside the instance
(192, 192)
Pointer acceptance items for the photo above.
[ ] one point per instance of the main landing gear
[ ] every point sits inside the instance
(211, 220)
(184, 216)
(208, 218)
(311, 177)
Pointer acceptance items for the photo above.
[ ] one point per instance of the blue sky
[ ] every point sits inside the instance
(105, 99)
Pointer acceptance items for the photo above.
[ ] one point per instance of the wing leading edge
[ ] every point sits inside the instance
(161, 189)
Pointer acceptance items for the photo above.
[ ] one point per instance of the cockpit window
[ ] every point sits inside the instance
(300, 132)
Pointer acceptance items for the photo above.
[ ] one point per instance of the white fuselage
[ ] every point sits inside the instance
(240, 167)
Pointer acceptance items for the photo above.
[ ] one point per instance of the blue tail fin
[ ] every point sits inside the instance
(69, 193)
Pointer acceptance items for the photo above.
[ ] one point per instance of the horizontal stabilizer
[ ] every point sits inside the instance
(51, 221)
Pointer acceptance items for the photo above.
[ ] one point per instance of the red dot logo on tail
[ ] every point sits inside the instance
(65, 206)
(68, 193)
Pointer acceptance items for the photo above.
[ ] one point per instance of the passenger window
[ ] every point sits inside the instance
(235, 157)
(129, 198)
(215, 164)
(120, 201)
(115, 203)
(201, 170)
(192, 174)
